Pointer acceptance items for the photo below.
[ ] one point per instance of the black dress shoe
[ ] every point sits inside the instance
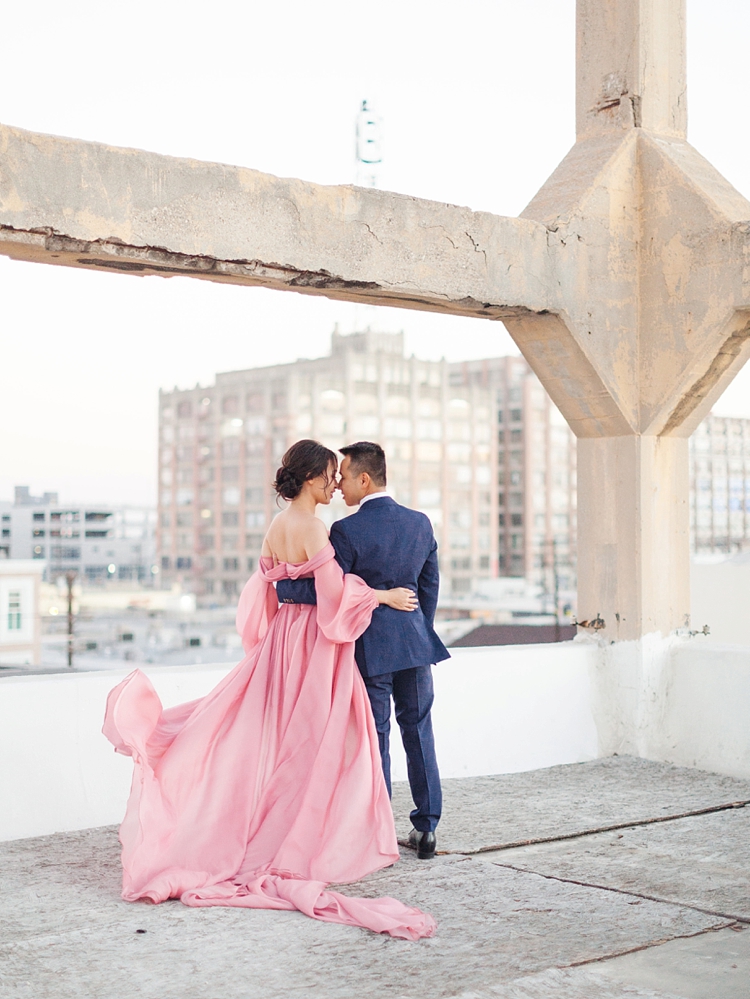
(424, 843)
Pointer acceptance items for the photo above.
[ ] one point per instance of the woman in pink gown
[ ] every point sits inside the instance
(269, 788)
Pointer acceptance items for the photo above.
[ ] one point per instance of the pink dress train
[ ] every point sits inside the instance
(270, 787)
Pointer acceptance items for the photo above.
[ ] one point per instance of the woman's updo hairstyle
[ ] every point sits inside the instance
(304, 460)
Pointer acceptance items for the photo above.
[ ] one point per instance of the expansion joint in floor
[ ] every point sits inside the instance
(593, 830)
(730, 917)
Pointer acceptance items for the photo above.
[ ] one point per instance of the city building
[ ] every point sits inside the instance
(96, 542)
(536, 472)
(20, 626)
(720, 486)
(478, 447)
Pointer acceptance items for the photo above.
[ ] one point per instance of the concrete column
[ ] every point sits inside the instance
(634, 522)
(631, 66)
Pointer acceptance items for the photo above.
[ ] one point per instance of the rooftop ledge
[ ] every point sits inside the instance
(498, 710)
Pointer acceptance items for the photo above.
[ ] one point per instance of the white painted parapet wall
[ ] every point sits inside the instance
(497, 710)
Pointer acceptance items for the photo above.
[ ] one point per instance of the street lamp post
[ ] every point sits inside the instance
(70, 579)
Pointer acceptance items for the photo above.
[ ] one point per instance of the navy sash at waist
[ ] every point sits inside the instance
(296, 591)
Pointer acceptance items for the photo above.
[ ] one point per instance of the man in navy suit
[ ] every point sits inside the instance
(390, 545)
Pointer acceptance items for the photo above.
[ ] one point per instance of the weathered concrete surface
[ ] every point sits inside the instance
(714, 966)
(702, 861)
(84, 204)
(67, 934)
(482, 812)
(710, 966)
(635, 71)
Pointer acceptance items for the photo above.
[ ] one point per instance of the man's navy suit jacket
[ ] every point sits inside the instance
(389, 545)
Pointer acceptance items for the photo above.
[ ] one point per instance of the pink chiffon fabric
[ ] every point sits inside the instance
(269, 788)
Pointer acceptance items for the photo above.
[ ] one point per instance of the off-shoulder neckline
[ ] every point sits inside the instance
(297, 568)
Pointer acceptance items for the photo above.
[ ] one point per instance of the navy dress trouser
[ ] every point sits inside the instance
(412, 693)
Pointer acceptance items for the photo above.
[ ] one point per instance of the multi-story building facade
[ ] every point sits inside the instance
(720, 485)
(97, 543)
(536, 472)
(461, 441)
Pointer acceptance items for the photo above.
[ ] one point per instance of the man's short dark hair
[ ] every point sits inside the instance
(367, 457)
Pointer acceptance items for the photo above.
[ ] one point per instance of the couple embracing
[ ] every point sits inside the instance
(277, 783)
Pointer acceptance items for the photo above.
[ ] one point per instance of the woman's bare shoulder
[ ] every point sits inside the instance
(274, 533)
(316, 537)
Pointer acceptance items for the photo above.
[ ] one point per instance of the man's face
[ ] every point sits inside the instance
(353, 487)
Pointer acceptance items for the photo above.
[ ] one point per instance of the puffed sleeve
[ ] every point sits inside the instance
(256, 609)
(345, 603)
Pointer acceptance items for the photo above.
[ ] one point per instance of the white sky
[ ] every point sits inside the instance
(478, 105)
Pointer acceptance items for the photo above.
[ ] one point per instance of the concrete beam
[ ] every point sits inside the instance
(84, 204)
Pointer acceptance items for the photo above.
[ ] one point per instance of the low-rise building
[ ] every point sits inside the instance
(96, 542)
(20, 626)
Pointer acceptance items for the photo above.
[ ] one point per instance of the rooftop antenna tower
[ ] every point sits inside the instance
(369, 147)
(369, 154)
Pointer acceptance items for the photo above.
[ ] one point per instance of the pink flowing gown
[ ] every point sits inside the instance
(269, 788)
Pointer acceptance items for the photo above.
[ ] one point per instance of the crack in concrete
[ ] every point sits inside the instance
(729, 916)
(592, 831)
(477, 248)
(648, 946)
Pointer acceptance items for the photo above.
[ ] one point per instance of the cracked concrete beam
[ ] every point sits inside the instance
(84, 204)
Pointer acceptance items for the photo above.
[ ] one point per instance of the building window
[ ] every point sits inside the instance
(37, 516)
(14, 610)
(93, 534)
(62, 551)
(515, 415)
(229, 518)
(516, 519)
(250, 564)
(184, 409)
(38, 551)
(231, 497)
(184, 562)
(231, 564)
(165, 562)
(6, 532)
(229, 587)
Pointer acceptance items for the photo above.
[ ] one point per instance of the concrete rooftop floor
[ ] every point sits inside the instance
(617, 878)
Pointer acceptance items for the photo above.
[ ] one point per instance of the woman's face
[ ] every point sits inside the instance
(324, 486)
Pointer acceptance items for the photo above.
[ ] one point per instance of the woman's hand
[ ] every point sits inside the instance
(399, 598)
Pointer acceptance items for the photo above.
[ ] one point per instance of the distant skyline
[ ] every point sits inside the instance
(478, 103)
